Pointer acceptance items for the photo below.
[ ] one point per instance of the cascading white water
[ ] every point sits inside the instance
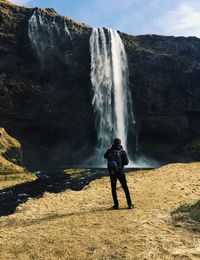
(112, 101)
(45, 32)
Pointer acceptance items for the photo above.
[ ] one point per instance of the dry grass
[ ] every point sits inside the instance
(9, 180)
(75, 173)
(9, 167)
(7, 141)
(8, 144)
(80, 225)
(10, 173)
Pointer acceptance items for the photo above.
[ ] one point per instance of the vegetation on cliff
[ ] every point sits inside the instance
(10, 156)
(10, 153)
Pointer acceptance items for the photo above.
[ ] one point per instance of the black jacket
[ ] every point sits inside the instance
(118, 148)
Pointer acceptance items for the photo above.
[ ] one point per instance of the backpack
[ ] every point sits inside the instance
(115, 161)
(125, 160)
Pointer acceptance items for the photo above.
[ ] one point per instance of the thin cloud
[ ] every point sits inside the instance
(182, 21)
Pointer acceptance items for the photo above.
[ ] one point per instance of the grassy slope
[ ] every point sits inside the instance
(9, 167)
(80, 225)
(9, 180)
(8, 143)
(11, 173)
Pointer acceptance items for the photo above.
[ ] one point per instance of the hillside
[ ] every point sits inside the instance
(80, 225)
(10, 153)
(11, 170)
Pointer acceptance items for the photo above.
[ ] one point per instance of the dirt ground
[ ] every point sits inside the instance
(81, 225)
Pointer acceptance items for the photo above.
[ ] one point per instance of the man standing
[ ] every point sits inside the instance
(117, 158)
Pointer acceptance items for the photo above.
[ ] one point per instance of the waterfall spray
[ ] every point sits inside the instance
(45, 32)
(112, 101)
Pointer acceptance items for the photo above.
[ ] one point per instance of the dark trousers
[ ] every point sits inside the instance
(122, 179)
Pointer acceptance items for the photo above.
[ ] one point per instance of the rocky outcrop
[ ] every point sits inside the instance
(45, 100)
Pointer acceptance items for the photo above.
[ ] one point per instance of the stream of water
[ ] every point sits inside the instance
(112, 101)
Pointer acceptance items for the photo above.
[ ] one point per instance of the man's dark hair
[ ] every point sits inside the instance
(117, 141)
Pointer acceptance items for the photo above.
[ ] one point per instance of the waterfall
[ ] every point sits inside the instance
(47, 34)
(112, 102)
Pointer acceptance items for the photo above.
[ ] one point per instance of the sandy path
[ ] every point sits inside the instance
(80, 225)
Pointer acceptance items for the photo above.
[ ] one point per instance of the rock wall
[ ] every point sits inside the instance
(164, 77)
(46, 104)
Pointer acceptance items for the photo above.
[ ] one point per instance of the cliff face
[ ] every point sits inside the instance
(48, 101)
(164, 78)
(46, 94)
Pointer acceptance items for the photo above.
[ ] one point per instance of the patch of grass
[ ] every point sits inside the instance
(10, 153)
(7, 141)
(192, 210)
(195, 211)
(188, 216)
(9, 167)
(140, 172)
(12, 179)
(75, 173)
(11, 174)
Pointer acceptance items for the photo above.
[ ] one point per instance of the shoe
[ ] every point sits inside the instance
(131, 206)
(115, 207)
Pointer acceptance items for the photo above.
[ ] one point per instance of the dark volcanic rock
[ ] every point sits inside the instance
(49, 103)
(164, 78)
(45, 101)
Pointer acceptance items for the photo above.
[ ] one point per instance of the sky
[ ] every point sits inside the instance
(164, 17)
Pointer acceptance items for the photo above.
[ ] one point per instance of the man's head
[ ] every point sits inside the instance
(117, 141)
